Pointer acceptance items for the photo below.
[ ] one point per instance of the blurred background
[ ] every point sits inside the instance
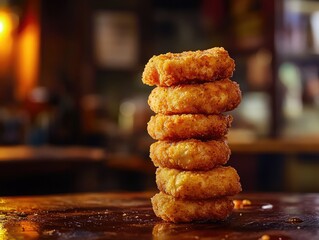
(73, 109)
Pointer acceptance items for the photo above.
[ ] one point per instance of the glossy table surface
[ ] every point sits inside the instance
(130, 216)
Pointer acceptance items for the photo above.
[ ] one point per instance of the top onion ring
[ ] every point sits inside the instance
(191, 66)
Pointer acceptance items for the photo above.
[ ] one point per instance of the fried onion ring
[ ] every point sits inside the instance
(187, 67)
(179, 210)
(191, 154)
(207, 98)
(220, 181)
(185, 126)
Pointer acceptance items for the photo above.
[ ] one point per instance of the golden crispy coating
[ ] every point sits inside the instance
(191, 66)
(220, 181)
(190, 154)
(185, 126)
(178, 210)
(207, 98)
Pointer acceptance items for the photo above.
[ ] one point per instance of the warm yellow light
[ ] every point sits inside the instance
(27, 60)
(1, 27)
(27, 51)
(6, 23)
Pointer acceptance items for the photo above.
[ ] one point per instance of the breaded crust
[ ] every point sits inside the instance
(191, 66)
(207, 98)
(185, 126)
(220, 181)
(191, 154)
(178, 210)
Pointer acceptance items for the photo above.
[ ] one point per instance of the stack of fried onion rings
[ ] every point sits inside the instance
(193, 93)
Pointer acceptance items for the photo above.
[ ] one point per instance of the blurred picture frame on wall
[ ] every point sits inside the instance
(116, 39)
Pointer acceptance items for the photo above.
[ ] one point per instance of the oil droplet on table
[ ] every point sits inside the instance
(294, 220)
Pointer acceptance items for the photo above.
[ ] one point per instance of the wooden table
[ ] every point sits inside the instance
(130, 216)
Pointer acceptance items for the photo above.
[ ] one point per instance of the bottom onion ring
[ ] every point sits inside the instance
(220, 181)
(190, 154)
(177, 210)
